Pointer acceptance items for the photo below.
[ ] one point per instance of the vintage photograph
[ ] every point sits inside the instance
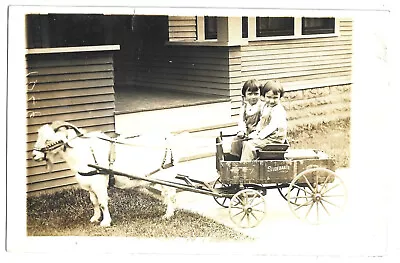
(229, 129)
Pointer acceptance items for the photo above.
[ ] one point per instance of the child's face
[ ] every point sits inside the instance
(271, 98)
(252, 97)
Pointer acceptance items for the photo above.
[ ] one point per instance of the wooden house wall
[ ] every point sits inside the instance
(186, 68)
(145, 60)
(299, 63)
(182, 28)
(73, 87)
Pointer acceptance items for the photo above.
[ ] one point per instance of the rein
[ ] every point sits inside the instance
(55, 145)
(51, 146)
(112, 157)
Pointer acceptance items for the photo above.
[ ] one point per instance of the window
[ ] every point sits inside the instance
(245, 27)
(274, 26)
(210, 27)
(317, 25)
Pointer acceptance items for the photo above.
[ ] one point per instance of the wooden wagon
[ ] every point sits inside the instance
(306, 178)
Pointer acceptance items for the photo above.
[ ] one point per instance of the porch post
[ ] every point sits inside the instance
(229, 29)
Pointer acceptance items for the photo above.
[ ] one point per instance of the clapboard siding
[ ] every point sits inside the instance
(57, 167)
(72, 69)
(94, 124)
(66, 84)
(48, 61)
(182, 28)
(57, 102)
(189, 69)
(34, 96)
(304, 62)
(74, 87)
(101, 78)
(151, 63)
(31, 137)
(299, 61)
(52, 184)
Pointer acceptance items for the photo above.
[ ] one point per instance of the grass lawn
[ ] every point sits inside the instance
(67, 213)
(333, 138)
(135, 214)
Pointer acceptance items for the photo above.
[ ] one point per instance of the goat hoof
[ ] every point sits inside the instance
(105, 224)
(166, 217)
(94, 219)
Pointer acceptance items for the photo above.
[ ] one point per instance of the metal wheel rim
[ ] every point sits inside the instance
(222, 201)
(247, 208)
(324, 199)
(301, 191)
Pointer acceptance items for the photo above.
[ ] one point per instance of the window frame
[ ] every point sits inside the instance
(210, 28)
(252, 36)
(245, 27)
(317, 30)
(265, 26)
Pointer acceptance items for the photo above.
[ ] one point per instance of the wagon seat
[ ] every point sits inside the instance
(273, 151)
(282, 152)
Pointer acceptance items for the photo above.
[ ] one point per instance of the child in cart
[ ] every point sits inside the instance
(272, 127)
(250, 115)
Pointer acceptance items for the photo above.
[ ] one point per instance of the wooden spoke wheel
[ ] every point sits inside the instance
(324, 197)
(298, 193)
(247, 208)
(222, 201)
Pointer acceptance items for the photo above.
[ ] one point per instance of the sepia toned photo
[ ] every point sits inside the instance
(212, 132)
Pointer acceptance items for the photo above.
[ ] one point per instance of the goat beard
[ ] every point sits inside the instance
(49, 165)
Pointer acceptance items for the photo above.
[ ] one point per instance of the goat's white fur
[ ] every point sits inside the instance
(137, 156)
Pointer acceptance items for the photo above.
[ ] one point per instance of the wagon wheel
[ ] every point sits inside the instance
(324, 197)
(298, 192)
(247, 208)
(222, 201)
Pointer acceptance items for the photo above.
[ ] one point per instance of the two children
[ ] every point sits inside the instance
(270, 127)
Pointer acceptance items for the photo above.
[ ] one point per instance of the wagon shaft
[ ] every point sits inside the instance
(190, 188)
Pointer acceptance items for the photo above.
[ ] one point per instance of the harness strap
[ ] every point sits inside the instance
(94, 156)
(163, 165)
(111, 160)
(95, 172)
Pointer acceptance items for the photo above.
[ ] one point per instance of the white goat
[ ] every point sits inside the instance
(139, 156)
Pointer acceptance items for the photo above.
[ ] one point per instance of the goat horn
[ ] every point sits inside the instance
(58, 124)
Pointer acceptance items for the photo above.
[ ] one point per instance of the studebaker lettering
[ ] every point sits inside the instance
(279, 168)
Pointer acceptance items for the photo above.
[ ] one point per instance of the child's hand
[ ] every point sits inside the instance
(240, 134)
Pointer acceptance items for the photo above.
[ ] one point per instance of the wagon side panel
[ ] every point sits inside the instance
(277, 172)
(319, 163)
(303, 165)
(235, 172)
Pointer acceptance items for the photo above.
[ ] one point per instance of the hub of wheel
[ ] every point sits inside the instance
(317, 197)
(248, 210)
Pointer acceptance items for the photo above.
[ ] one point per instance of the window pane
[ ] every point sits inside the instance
(245, 27)
(318, 25)
(274, 26)
(210, 27)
